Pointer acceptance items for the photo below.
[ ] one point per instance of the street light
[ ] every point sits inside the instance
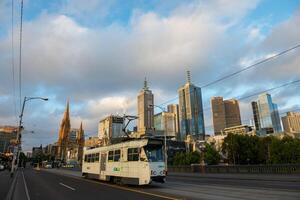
(19, 133)
(165, 136)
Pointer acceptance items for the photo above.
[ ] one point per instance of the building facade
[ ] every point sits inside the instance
(174, 108)
(266, 112)
(111, 127)
(291, 122)
(226, 113)
(165, 122)
(145, 101)
(8, 136)
(191, 111)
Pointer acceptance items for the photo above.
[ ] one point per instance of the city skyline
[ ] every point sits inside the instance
(108, 80)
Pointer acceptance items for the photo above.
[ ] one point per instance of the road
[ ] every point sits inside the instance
(5, 182)
(63, 184)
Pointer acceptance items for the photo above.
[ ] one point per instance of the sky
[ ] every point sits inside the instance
(97, 53)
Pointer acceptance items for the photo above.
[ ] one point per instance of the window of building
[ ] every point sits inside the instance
(133, 154)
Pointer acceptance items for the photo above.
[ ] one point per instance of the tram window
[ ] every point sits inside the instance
(133, 154)
(93, 157)
(97, 157)
(85, 158)
(89, 157)
(110, 156)
(117, 155)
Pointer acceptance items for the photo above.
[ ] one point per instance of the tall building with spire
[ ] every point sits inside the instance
(145, 110)
(191, 111)
(70, 141)
(64, 132)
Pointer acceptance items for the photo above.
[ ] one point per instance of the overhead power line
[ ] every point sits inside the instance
(13, 61)
(20, 57)
(240, 71)
(252, 66)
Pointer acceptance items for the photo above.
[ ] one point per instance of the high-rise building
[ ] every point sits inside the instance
(267, 113)
(226, 113)
(191, 111)
(291, 122)
(111, 127)
(145, 110)
(174, 108)
(255, 115)
(165, 122)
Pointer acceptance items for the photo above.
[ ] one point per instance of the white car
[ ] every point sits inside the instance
(2, 167)
(48, 166)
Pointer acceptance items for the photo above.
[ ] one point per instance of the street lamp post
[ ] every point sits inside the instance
(165, 137)
(16, 157)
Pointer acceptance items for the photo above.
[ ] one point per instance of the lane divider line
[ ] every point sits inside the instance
(116, 186)
(25, 185)
(67, 186)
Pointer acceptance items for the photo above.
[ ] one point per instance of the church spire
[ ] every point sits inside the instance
(65, 123)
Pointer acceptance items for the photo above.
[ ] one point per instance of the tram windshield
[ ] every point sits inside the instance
(154, 153)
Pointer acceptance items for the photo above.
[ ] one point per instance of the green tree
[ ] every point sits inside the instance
(211, 156)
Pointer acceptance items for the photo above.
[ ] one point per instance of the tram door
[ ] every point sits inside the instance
(103, 166)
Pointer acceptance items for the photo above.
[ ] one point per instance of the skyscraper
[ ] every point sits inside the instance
(191, 111)
(226, 113)
(145, 110)
(174, 108)
(165, 121)
(267, 113)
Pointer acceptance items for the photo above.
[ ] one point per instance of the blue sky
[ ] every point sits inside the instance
(97, 54)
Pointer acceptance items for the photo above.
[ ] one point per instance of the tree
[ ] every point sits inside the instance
(211, 156)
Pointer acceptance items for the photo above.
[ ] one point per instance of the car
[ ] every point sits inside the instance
(48, 166)
(2, 167)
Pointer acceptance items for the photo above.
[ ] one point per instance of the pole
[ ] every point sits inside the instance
(166, 155)
(16, 157)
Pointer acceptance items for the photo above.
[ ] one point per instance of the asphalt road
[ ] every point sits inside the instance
(64, 184)
(49, 186)
(5, 182)
(231, 187)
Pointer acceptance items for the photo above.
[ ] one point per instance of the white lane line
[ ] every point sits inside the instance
(26, 189)
(67, 186)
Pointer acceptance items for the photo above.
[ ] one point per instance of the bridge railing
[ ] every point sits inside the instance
(247, 169)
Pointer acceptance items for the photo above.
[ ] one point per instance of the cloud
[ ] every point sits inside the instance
(101, 68)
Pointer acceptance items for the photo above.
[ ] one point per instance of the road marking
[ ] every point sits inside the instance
(67, 186)
(26, 189)
(131, 190)
(116, 186)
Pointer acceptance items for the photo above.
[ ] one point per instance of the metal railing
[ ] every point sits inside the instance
(242, 169)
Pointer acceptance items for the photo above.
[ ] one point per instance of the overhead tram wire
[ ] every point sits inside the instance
(13, 61)
(20, 57)
(240, 71)
(252, 66)
(260, 92)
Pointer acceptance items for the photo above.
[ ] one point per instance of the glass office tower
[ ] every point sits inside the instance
(191, 111)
